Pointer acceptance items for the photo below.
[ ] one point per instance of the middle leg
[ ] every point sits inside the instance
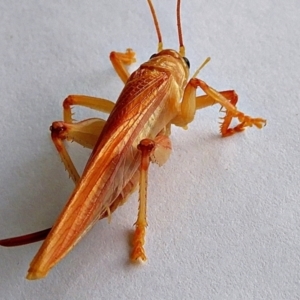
(86, 132)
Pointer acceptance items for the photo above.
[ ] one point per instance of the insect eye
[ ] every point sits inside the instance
(153, 55)
(186, 61)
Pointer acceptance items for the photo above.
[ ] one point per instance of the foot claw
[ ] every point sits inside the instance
(130, 56)
(138, 251)
(138, 254)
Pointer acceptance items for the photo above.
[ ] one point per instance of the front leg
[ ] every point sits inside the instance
(230, 110)
(227, 99)
(119, 61)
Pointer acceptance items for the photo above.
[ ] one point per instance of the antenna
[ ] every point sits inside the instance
(160, 44)
(181, 46)
(201, 67)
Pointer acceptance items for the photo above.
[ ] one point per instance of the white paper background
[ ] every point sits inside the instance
(223, 213)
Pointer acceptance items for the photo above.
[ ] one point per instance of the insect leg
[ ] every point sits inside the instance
(158, 151)
(226, 99)
(95, 103)
(85, 132)
(205, 100)
(232, 97)
(119, 60)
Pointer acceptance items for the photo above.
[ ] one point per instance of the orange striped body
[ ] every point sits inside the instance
(146, 106)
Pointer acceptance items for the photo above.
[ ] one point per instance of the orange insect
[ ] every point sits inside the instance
(156, 96)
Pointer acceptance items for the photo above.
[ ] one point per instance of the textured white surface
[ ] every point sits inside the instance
(223, 213)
